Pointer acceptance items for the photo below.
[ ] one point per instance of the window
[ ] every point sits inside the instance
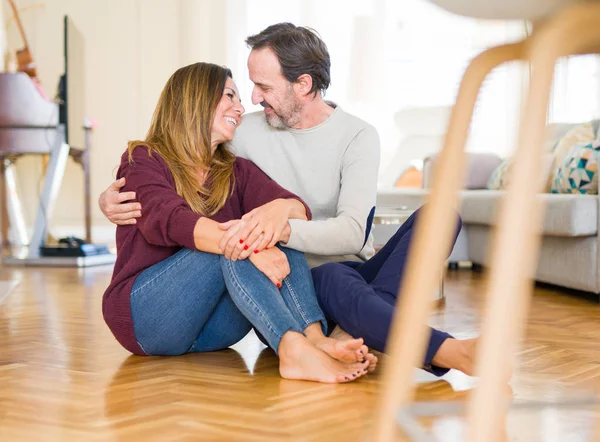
(389, 55)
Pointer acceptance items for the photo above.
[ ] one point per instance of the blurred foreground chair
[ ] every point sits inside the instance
(560, 28)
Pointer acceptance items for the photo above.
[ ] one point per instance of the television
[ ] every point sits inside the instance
(71, 86)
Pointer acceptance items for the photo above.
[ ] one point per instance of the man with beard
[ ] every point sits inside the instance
(329, 158)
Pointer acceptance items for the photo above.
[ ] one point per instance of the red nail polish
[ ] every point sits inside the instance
(246, 247)
(256, 251)
(278, 286)
(266, 248)
(241, 241)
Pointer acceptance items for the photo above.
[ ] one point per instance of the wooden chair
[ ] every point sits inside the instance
(29, 124)
(561, 28)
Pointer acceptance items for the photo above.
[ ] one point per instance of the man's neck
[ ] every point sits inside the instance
(315, 112)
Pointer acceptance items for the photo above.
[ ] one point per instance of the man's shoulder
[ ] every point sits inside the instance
(352, 121)
(357, 133)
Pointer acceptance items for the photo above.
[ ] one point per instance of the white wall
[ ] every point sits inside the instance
(2, 38)
(132, 47)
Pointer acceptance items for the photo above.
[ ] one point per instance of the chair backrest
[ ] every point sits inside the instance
(505, 9)
(22, 105)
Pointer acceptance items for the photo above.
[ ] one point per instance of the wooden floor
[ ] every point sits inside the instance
(64, 378)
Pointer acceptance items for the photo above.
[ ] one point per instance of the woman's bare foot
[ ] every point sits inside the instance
(344, 350)
(299, 359)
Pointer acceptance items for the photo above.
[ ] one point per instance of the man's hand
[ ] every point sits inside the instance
(112, 206)
(273, 263)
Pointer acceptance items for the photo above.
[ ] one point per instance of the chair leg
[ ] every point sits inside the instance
(511, 278)
(407, 338)
(4, 204)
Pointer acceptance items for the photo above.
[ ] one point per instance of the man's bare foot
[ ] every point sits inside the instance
(339, 334)
(460, 355)
(372, 362)
(457, 354)
(343, 351)
(348, 350)
(299, 359)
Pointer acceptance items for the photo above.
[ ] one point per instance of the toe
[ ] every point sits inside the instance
(362, 351)
(372, 362)
(353, 344)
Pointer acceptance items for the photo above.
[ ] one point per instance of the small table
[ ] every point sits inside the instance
(386, 222)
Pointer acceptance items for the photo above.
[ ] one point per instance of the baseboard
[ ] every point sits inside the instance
(100, 234)
(104, 234)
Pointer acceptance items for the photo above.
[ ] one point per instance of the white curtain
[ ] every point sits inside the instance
(576, 90)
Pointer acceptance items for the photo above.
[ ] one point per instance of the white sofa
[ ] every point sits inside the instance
(570, 250)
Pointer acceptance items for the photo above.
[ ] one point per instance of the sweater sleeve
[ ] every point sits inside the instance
(348, 231)
(257, 188)
(167, 219)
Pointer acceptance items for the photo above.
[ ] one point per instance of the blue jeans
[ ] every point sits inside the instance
(196, 301)
(361, 297)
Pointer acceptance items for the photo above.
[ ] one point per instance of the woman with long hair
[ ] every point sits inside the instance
(172, 290)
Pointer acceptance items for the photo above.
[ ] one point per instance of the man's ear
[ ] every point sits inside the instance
(304, 84)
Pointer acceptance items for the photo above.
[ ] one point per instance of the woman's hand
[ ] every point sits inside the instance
(230, 246)
(258, 229)
(273, 263)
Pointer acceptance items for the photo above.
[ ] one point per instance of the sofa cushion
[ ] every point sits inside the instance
(478, 168)
(406, 199)
(565, 215)
(500, 178)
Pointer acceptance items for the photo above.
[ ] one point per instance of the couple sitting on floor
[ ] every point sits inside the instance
(212, 244)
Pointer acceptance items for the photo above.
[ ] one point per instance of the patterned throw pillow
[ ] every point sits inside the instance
(578, 171)
(582, 133)
(499, 178)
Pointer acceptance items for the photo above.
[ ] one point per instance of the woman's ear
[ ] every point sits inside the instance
(304, 84)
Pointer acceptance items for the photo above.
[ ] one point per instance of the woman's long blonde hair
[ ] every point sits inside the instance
(180, 133)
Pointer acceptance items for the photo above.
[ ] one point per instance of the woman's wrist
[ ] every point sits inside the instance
(207, 236)
(296, 209)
